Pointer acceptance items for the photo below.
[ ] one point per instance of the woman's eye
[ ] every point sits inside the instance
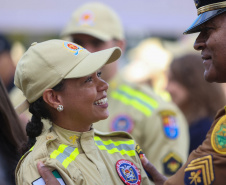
(89, 79)
(99, 74)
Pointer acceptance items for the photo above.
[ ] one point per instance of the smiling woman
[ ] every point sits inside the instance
(62, 83)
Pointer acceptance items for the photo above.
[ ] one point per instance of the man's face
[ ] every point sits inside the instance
(93, 44)
(212, 44)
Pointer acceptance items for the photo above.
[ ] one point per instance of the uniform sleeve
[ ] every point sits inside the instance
(206, 164)
(27, 174)
(165, 140)
(144, 176)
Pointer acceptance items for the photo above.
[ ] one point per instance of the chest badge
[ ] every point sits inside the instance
(218, 137)
(128, 172)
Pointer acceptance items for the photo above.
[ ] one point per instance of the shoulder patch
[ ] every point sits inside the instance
(218, 136)
(171, 163)
(200, 171)
(128, 172)
(40, 180)
(113, 134)
(170, 125)
(122, 123)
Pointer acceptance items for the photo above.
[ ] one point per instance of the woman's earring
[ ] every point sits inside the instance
(60, 108)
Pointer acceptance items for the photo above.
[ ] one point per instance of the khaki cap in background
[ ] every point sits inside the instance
(45, 64)
(97, 20)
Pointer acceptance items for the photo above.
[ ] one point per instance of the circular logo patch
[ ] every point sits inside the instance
(218, 137)
(122, 123)
(86, 18)
(128, 172)
(73, 47)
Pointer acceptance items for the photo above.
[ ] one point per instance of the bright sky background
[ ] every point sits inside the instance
(166, 17)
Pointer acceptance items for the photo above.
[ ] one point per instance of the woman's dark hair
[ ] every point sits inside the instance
(188, 70)
(11, 137)
(39, 110)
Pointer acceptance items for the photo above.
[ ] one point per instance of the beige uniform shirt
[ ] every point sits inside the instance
(88, 158)
(156, 125)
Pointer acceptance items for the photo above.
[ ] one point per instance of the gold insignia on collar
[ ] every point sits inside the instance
(200, 171)
(218, 137)
(73, 138)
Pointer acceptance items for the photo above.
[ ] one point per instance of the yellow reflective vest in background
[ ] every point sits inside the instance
(157, 125)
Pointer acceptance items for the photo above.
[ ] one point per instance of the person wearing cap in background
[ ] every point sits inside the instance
(206, 164)
(62, 82)
(157, 126)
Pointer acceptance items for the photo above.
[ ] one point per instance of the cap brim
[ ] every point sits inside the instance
(22, 107)
(93, 62)
(202, 18)
(88, 31)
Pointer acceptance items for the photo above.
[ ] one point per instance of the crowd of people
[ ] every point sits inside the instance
(90, 122)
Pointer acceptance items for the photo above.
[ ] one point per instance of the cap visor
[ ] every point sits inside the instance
(22, 107)
(88, 31)
(93, 62)
(202, 18)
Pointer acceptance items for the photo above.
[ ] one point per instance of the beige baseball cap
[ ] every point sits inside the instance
(45, 64)
(97, 20)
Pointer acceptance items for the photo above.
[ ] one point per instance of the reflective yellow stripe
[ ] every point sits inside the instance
(116, 143)
(122, 147)
(60, 150)
(65, 154)
(137, 99)
(28, 150)
(71, 158)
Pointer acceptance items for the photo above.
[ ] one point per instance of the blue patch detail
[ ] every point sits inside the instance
(170, 126)
(122, 123)
(128, 173)
(193, 177)
(199, 171)
(73, 47)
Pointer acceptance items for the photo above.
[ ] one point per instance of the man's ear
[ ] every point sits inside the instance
(52, 98)
(121, 44)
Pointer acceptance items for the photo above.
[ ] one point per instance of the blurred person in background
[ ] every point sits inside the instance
(7, 70)
(11, 138)
(158, 127)
(198, 99)
(148, 64)
(7, 67)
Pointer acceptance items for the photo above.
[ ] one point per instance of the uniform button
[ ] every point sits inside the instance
(34, 43)
(49, 137)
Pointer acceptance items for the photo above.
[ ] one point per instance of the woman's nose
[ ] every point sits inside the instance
(103, 86)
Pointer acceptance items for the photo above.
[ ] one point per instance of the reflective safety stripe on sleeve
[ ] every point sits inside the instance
(123, 147)
(137, 99)
(65, 154)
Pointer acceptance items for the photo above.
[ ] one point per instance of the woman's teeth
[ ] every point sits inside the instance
(101, 101)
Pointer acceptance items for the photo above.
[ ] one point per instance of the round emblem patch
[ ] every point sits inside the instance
(122, 123)
(128, 172)
(73, 47)
(86, 18)
(218, 137)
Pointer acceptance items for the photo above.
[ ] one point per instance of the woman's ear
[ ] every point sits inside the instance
(51, 97)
